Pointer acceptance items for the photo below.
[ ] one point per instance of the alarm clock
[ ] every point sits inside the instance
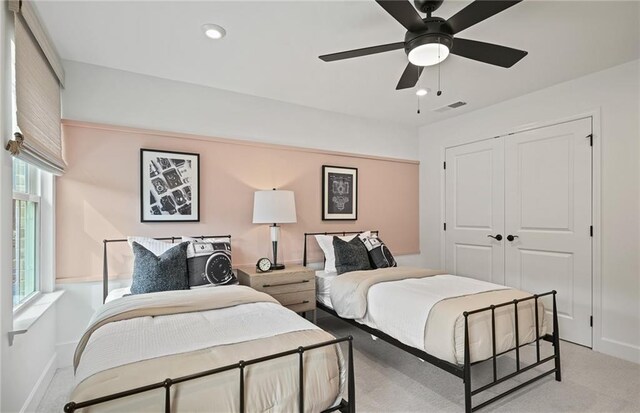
(263, 265)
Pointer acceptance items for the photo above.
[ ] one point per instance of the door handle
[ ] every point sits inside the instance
(496, 237)
(512, 237)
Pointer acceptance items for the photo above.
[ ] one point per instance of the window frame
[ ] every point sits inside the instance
(34, 176)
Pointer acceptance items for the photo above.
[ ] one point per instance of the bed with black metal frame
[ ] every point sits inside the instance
(464, 371)
(345, 406)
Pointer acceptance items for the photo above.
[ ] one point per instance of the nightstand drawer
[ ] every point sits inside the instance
(298, 301)
(274, 283)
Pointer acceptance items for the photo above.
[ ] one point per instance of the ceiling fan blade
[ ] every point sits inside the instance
(404, 13)
(476, 12)
(410, 76)
(362, 52)
(487, 52)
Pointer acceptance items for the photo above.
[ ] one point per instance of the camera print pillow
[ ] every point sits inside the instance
(379, 254)
(209, 264)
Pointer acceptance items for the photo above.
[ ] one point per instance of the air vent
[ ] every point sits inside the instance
(450, 106)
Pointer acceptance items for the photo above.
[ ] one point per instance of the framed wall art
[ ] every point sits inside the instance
(169, 186)
(339, 193)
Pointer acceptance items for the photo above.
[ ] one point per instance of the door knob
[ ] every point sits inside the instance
(496, 237)
(511, 237)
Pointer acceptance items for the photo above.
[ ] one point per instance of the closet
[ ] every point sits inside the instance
(519, 212)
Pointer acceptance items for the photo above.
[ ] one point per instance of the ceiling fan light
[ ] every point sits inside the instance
(428, 54)
(213, 31)
(422, 91)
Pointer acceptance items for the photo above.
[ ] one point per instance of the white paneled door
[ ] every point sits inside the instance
(534, 190)
(548, 214)
(475, 210)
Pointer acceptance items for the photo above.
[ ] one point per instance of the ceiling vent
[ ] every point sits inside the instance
(454, 105)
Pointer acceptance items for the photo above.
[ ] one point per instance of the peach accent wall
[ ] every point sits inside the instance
(98, 197)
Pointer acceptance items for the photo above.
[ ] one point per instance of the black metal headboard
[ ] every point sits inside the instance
(343, 233)
(105, 264)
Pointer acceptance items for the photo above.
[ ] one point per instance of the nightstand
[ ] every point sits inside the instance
(294, 287)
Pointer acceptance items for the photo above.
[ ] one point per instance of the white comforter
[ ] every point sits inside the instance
(143, 338)
(402, 308)
(424, 309)
(138, 340)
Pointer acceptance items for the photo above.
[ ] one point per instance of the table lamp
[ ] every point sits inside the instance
(274, 207)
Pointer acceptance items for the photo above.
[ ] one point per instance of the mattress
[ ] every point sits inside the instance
(323, 286)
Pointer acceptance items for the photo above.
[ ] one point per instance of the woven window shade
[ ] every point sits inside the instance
(38, 104)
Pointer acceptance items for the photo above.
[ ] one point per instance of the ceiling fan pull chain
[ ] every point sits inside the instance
(439, 64)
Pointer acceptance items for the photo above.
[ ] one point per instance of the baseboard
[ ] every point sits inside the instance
(65, 353)
(35, 397)
(619, 349)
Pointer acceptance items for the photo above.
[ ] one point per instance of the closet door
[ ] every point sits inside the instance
(475, 210)
(548, 212)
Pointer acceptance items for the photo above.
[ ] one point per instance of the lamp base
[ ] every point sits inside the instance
(276, 267)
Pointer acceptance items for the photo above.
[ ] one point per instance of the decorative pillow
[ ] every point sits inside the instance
(151, 244)
(350, 256)
(209, 263)
(379, 254)
(326, 244)
(152, 273)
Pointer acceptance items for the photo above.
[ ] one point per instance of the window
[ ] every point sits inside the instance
(26, 219)
(26, 232)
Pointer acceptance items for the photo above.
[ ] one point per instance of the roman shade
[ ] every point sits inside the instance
(39, 76)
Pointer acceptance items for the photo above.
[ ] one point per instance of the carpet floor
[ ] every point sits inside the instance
(390, 380)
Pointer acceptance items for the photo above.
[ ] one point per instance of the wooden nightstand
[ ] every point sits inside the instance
(294, 287)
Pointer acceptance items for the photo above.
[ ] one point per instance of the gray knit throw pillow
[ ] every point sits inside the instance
(350, 256)
(152, 273)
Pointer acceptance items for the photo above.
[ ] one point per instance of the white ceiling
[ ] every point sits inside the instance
(272, 48)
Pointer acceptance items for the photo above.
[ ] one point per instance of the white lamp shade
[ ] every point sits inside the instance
(274, 207)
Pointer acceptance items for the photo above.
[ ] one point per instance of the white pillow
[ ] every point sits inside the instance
(117, 293)
(213, 240)
(153, 245)
(326, 244)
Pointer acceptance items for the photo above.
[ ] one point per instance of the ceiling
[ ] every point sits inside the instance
(272, 47)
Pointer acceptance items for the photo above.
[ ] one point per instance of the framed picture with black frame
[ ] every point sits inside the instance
(339, 193)
(169, 186)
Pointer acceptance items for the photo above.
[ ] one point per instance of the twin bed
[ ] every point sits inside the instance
(216, 349)
(450, 321)
(180, 350)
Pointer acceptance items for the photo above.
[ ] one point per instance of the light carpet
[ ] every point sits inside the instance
(390, 380)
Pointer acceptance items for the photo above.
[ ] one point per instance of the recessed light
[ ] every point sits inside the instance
(213, 31)
(422, 91)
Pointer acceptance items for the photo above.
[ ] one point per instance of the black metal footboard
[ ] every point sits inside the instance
(553, 338)
(464, 371)
(345, 406)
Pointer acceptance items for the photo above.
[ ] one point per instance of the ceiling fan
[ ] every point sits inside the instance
(429, 41)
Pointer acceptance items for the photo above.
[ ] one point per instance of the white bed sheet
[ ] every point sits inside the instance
(323, 286)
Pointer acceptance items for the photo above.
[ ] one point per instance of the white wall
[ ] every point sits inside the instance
(615, 93)
(102, 95)
(28, 365)
(5, 188)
